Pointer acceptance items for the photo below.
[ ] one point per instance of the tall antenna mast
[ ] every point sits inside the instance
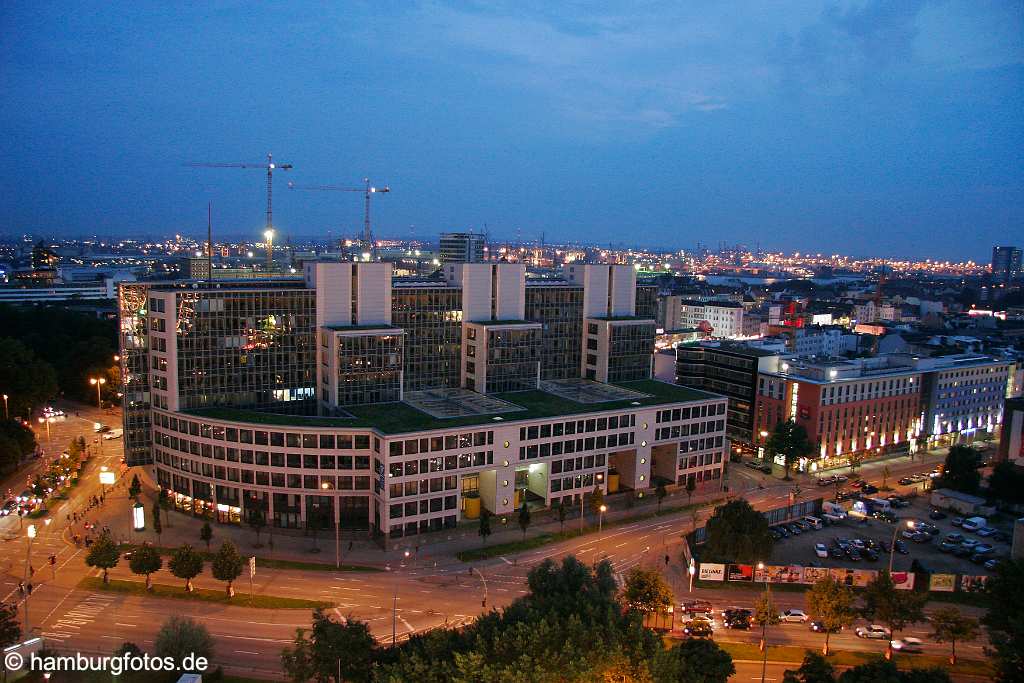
(209, 242)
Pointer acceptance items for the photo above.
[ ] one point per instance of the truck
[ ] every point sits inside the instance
(974, 523)
(833, 512)
(877, 505)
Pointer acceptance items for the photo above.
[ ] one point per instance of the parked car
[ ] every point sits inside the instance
(113, 434)
(869, 489)
(985, 532)
(957, 521)
(936, 514)
(873, 632)
(984, 548)
(991, 564)
(962, 551)
(870, 554)
(836, 553)
(905, 481)
(908, 644)
(947, 546)
(793, 616)
(841, 478)
(885, 516)
(853, 554)
(819, 627)
(969, 542)
(901, 547)
(794, 529)
(820, 550)
(826, 481)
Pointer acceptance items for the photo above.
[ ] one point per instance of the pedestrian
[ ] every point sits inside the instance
(21, 587)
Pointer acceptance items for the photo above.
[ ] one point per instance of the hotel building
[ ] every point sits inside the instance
(400, 406)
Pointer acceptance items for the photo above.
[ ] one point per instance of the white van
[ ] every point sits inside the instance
(974, 523)
(113, 434)
(814, 522)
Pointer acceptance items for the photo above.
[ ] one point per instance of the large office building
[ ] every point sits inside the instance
(462, 247)
(868, 406)
(718, 319)
(400, 406)
(1006, 264)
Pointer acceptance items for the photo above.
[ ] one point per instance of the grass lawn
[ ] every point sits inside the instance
(200, 594)
(795, 654)
(269, 563)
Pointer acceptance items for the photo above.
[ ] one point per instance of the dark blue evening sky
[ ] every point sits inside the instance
(862, 127)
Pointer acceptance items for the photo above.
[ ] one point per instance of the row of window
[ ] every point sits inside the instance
(701, 444)
(423, 507)
(572, 464)
(676, 431)
(262, 458)
(449, 462)
(576, 445)
(258, 437)
(677, 414)
(598, 424)
(415, 488)
(262, 477)
(440, 443)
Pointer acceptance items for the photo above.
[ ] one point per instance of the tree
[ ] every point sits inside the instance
(206, 534)
(882, 671)
(691, 486)
(135, 488)
(227, 565)
(765, 614)
(693, 661)
(180, 637)
(596, 500)
(814, 669)
(1006, 483)
(104, 554)
(27, 380)
(960, 472)
(257, 520)
(660, 492)
(736, 532)
(561, 516)
(886, 472)
(186, 564)
(484, 529)
(646, 590)
(831, 603)
(950, 626)
(1003, 622)
(855, 458)
(340, 651)
(789, 440)
(524, 519)
(146, 560)
(895, 608)
(10, 629)
(157, 524)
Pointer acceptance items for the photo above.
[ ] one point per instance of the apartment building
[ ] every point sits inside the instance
(718, 319)
(398, 406)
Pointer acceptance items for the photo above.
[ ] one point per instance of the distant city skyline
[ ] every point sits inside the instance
(863, 128)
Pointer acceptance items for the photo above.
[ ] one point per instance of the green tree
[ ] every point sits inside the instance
(28, 381)
(206, 534)
(736, 532)
(831, 603)
(1006, 483)
(146, 561)
(886, 473)
(660, 492)
(135, 488)
(766, 614)
(180, 636)
(157, 524)
(960, 472)
(227, 565)
(691, 486)
(596, 500)
(646, 590)
(333, 651)
(949, 625)
(855, 458)
(484, 528)
(814, 669)
(897, 609)
(882, 671)
(10, 629)
(789, 440)
(524, 519)
(1003, 621)
(560, 509)
(186, 564)
(104, 554)
(693, 661)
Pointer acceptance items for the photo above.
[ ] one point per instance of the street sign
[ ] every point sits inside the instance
(252, 566)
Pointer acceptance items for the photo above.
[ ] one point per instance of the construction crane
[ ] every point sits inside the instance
(269, 166)
(367, 191)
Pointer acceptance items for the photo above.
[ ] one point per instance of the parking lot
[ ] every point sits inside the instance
(865, 544)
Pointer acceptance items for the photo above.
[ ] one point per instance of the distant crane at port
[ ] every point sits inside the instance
(368, 191)
(269, 166)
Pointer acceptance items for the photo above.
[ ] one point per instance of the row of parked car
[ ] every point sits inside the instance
(796, 527)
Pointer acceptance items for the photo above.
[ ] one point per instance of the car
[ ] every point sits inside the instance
(853, 555)
(978, 558)
(113, 434)
(858, 543)
(957, 521)
(921, 537)
(927, 528)
(698, 628)
(908, 644)
(873, 632)
(737, 623)
(826, 481)
(730, 612)
(793, 616)
(100, 428)
(901, 547)
(985, 531)
(775, 533)
(954, 538)
(841, 478)
(820, 550)
(936, 514)
(802, 525)
(695, 606)
(908, 533)
(962, 551)
(885, 516)
(766, 468)
(819, 627)
(905, 481)
(991, 564)
(836, 553)
(869, 489)
(857, 483)
(794, 529)
(947, 546)
(884, 546)
(969, 542)
(984, 548)
(783, 531)
(870, 555)
(751, 464)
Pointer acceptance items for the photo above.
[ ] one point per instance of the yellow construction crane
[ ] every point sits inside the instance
(367, 191)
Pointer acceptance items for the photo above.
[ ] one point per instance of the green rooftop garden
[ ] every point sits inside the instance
(398, 418)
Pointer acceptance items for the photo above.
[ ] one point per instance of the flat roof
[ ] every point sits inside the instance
(399, 417)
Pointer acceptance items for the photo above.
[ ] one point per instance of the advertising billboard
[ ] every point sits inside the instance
(712, 572)
(741, 572)
(942, 583)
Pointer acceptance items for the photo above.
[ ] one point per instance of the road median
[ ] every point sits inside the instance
(93, 583)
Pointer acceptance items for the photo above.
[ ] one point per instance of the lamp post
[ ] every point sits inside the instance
(46, 421)
(764, 623)
(337, 529)
(28, 555)
(600, 523)
(691, 570)
(98, 382)
(7, 413)
(892, 545)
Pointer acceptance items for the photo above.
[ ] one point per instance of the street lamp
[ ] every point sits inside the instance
(764, 622)
(47, 421)
(892, 545)
(28, 554)
(98, 382)
(691, 570)
(7, 413)
(337, 531)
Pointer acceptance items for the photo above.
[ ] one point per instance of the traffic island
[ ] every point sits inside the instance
(94, 583)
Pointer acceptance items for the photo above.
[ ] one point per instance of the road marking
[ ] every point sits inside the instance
(128, 625)
(247, 652)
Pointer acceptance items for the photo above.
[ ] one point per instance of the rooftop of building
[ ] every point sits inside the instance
(400, 417)
(621, 318)
(738, 347)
